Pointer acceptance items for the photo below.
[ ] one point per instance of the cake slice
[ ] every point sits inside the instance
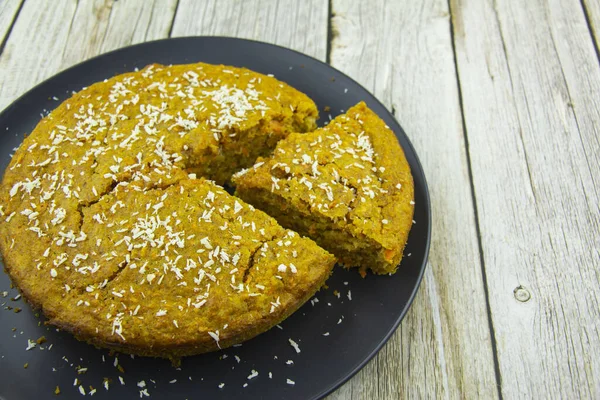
(347, 186)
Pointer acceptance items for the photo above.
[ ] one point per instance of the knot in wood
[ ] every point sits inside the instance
(522, 294)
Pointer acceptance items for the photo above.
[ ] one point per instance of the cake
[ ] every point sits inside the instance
(111, 224)
(347, 186)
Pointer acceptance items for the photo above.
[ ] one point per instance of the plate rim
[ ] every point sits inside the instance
(420, 170)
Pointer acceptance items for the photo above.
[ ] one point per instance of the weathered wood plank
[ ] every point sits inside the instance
(8, 11)
(103, 25)
(67, 32)
(35, 46)
(300, 25)
(136, 22)
(87, 31)
(530, 81)
(402, 51)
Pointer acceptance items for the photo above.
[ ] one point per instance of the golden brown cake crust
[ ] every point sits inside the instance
(105, 228)
(347, 185)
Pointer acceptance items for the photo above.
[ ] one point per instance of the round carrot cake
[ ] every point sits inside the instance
(111, 221)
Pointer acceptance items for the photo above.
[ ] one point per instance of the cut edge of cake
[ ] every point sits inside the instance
(372, 231)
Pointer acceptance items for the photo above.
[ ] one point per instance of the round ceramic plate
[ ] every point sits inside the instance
(337, 332)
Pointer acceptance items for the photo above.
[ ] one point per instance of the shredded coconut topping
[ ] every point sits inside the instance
(109, 210)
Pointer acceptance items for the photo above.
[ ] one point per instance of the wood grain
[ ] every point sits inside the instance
(35, 46)
(103, 25)
(8, 11)
(136, 22)
(300, 25)
(530, 81)
(86, 29)
(402, 51)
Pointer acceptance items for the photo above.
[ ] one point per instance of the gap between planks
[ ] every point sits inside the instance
(590, 28)
(173, 19)
(10, 27)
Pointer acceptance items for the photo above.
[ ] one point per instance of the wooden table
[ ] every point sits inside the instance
(501, 100)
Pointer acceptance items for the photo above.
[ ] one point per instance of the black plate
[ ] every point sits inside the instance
(357, 328)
